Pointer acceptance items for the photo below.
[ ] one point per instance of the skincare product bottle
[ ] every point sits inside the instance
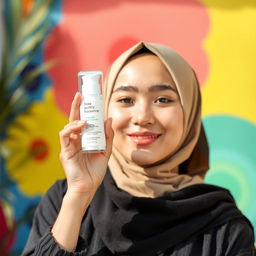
(91, 110)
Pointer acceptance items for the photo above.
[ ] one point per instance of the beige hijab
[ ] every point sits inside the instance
(187, 166)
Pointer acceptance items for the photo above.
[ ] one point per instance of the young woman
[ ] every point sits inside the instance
(145, 195)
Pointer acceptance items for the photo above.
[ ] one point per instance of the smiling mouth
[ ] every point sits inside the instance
(143, 139)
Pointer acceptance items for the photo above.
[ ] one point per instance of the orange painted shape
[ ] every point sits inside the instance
(27, 6)
(39, 149)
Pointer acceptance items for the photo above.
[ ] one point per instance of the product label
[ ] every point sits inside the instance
(93, 135)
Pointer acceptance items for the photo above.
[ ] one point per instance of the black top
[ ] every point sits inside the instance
(197, 220)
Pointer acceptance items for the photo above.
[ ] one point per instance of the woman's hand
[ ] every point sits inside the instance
(84, 171)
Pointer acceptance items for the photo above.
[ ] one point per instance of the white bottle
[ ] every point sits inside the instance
(91, 110)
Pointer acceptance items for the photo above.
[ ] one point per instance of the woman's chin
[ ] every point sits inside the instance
(142, 158)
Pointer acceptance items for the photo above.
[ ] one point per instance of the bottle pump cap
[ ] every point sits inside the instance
(91, 82)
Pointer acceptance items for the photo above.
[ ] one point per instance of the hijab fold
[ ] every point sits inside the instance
(144, 226)
(189, 163)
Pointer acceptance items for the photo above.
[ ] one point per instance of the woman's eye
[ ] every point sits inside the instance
(162, 100)
(126, 100)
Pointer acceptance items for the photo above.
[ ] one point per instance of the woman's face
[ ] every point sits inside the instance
(147, 117)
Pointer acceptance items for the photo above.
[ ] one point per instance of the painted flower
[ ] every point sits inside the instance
(34, 145)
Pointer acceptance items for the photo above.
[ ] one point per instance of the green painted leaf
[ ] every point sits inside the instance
(16, 13)
(35, 19)
(22, 64)
(32, 41)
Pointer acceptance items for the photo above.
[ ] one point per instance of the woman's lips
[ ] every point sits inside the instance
(143, 139)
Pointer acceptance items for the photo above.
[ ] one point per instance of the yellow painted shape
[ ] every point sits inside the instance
(231, 49)
(42, 121)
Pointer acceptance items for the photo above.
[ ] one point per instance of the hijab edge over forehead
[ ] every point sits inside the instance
(118, 64)
(175, 64)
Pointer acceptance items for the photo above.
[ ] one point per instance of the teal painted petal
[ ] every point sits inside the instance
(232, 142)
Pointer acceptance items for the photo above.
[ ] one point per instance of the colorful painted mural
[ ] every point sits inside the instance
(216, 37)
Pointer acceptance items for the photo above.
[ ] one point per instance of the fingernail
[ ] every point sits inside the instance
(80, 122)
(77, 94)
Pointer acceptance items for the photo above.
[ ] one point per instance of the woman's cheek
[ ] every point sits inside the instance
(119, 118)
(171, 119)
(115, 113)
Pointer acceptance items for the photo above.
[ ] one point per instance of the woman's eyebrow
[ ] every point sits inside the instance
(126, 88)
(161, 87)
(153, 88)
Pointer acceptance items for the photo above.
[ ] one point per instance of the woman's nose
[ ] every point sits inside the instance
(143, 114)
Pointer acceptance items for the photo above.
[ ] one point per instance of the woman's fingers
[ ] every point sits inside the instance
(109, 136)
(71, 131)
(75, 108)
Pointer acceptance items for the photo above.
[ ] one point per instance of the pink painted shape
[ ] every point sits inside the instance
(93, 33)
(7, 240)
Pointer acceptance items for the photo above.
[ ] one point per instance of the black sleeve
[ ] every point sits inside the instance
(240, 239)
(41, 241)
